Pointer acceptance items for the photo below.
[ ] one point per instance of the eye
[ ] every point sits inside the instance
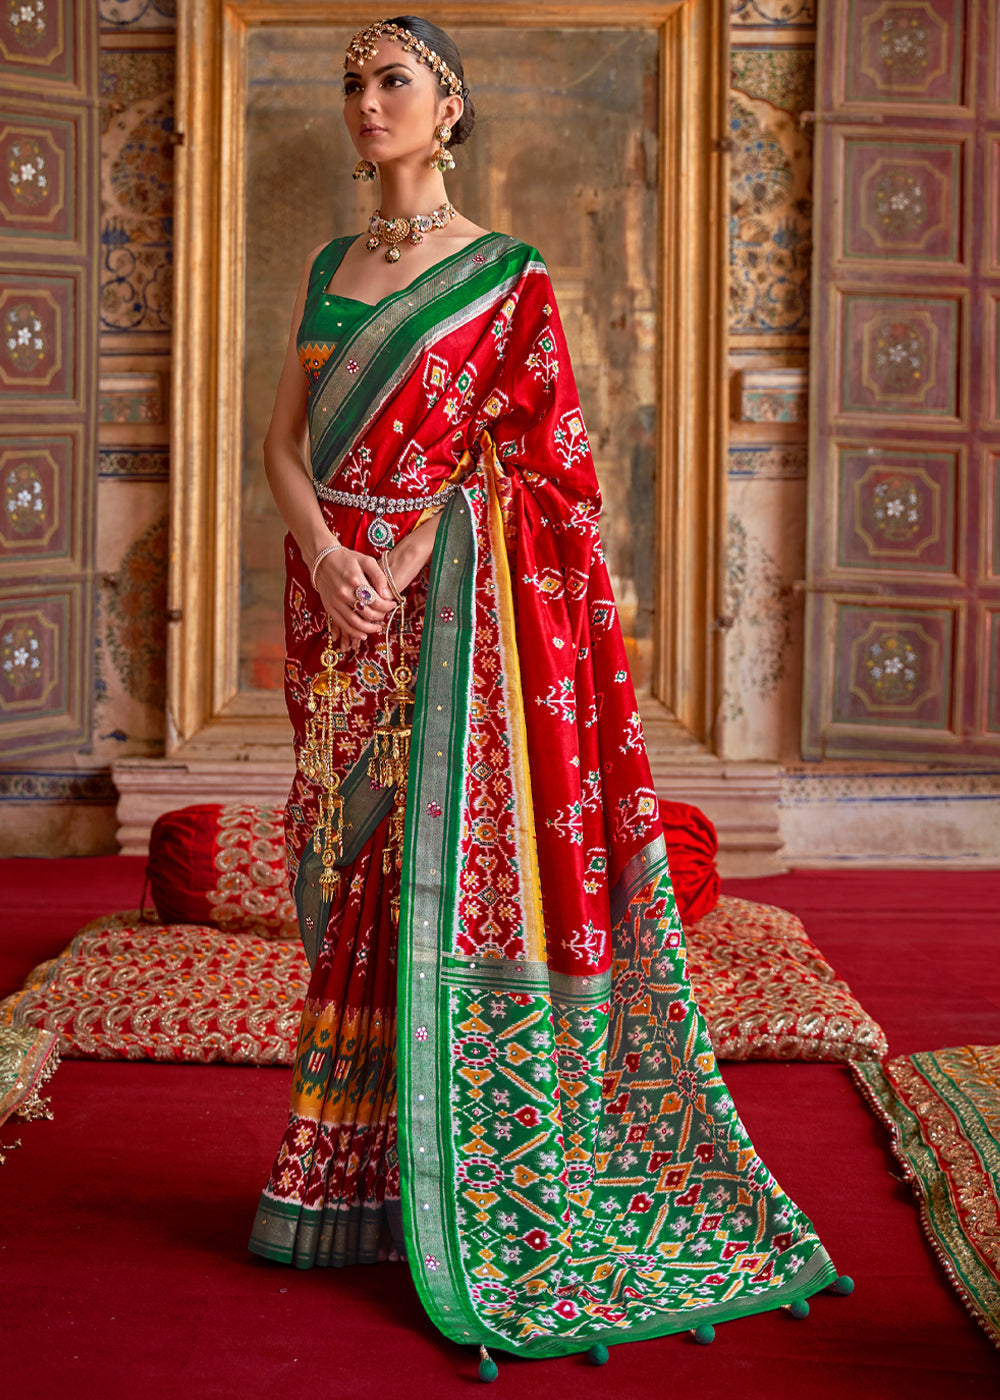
(397, 80)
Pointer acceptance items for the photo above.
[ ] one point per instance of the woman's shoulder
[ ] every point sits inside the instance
(517, 251)
(514, 242)
(328, 253)
(323, 260)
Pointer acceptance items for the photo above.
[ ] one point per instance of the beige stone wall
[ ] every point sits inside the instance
(841, 813)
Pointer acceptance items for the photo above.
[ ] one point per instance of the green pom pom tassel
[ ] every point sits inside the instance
(598, 1355)
(704, 1333)
(799, 1309)
(844, 1285)
(487, 1367)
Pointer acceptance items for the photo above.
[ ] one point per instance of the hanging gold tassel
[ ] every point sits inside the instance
(316, 760)
(390, 760)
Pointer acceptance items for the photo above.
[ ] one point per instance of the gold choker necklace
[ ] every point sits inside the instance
(395, 231)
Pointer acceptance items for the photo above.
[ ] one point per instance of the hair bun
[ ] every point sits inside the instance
(462, 129)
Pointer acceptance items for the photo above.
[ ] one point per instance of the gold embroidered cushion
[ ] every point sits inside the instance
(129, 990)
(223, 866)
(767, 992)
(28, 1058)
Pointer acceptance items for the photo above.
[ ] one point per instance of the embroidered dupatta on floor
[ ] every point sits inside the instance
(572, 1167)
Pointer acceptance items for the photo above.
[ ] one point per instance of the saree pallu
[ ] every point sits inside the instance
(572, 1169)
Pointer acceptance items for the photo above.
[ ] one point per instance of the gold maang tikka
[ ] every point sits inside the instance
(364, 46)
(316, 761)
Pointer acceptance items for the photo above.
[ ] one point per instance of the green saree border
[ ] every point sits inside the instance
(427, 912)
(385, 347)
(428, 972)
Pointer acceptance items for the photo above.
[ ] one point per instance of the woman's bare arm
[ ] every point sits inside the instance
(413, 551)
(290, 480)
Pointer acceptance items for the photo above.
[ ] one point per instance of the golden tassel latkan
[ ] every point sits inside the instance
(390, 761)
(316, 760)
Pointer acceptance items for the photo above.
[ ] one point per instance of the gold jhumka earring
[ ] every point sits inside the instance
(364, 170)
(390, 760)
(442, 159)
(316, 762)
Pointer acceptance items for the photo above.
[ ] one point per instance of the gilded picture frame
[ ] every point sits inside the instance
(213, 713)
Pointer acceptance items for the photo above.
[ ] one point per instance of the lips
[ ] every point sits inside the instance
(372, 130)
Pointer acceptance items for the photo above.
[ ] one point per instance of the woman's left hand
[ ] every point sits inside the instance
(412, 553)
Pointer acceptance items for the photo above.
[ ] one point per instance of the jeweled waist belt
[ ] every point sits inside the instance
(380, 532)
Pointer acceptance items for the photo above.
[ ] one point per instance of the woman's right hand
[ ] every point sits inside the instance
(338, 576)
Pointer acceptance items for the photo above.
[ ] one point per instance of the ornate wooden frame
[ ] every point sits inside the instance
(208, 717)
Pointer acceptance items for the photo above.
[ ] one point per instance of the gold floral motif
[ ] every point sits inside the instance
(27, 20)
(903, 47)
(900, 354)
(24, 502)
(27, 177)
(20, 655)
(897, 508)
(892, 665)
(900, 203)
(251, 893)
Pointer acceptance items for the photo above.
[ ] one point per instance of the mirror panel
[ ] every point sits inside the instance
(601, 141)
(565, 155)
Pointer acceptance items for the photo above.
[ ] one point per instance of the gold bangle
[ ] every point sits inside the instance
(383, 563)
(330, 549)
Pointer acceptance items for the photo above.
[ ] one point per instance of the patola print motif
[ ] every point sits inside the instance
(570, 1164)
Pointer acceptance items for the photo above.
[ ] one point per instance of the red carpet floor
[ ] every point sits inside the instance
(122, 1244)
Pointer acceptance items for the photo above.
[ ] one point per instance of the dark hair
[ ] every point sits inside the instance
(445, 48)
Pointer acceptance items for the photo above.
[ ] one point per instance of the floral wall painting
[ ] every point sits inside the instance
(137, 123)
(136, 628)
(771, 244)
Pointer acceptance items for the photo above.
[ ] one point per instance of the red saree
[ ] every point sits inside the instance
(522, 1062)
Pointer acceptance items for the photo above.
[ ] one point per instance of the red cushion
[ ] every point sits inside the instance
(222, 866)
(692, 846)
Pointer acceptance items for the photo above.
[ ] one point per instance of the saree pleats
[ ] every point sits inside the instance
(333, 1195)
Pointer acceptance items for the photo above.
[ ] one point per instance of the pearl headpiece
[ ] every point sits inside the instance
(365, 46)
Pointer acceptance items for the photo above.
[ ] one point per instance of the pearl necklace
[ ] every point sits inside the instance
(396, 231)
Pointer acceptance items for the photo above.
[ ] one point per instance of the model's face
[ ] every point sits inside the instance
(393, 104)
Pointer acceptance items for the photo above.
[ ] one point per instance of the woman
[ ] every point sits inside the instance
(566, 1167)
